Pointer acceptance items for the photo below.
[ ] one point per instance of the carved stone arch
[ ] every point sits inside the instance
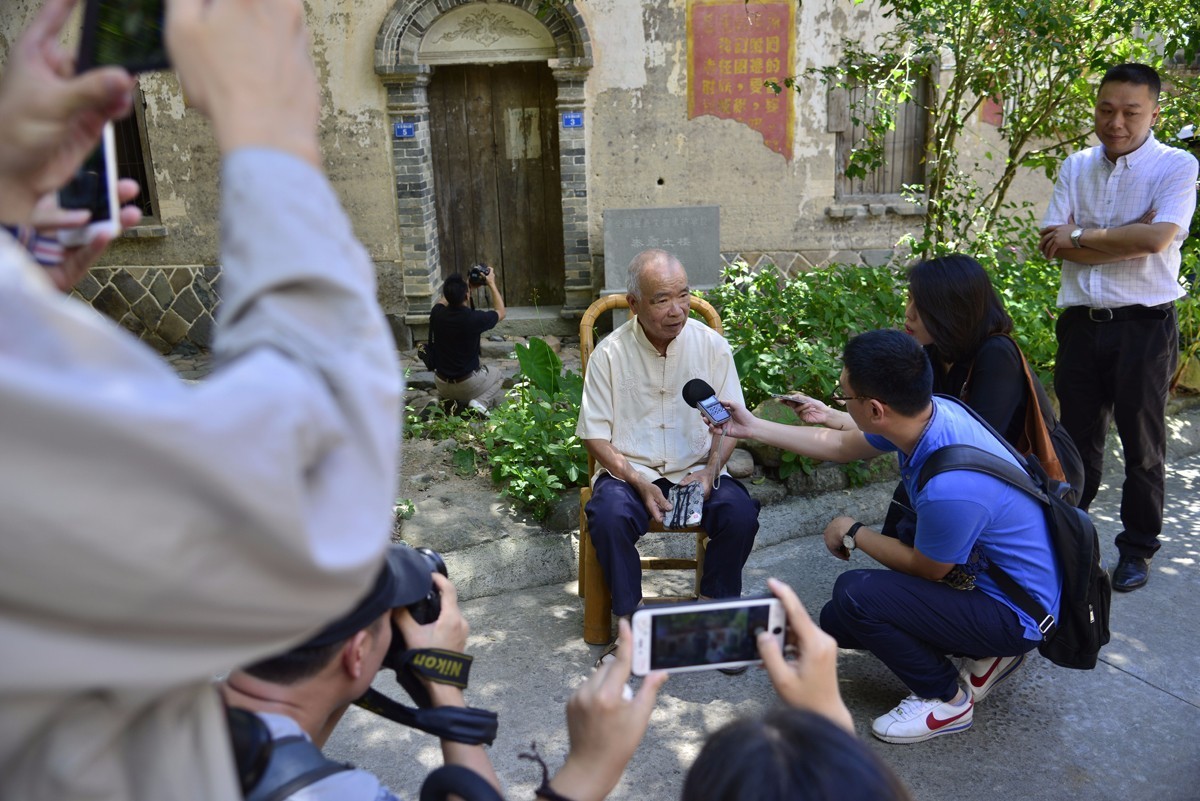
(404, 73)
(408, 21)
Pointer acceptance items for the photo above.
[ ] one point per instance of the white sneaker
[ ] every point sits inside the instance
(918, 719)
(982, 675)
(477, 406)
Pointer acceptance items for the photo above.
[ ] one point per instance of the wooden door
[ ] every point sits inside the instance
(496, 176)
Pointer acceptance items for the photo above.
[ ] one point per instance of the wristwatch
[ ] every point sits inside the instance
(848, 538)
(1076, 235)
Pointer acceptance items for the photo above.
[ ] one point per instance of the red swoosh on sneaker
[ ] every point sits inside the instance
(979, 681)
(933, 723)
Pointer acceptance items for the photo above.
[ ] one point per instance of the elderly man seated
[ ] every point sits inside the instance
(645, 438)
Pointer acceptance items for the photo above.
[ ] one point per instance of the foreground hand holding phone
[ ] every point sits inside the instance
(605, 726)
(50, 119)
(810, 680)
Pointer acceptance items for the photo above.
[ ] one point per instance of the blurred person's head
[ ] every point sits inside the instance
(889, 367)
(953, 307)
(455, 290)
(789, 755)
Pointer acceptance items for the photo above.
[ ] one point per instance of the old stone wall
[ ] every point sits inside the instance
(637, 148)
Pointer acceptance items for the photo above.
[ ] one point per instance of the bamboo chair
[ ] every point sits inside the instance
(597, 600)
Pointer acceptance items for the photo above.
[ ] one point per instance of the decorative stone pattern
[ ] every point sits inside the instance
(794, 262)
(168, 309)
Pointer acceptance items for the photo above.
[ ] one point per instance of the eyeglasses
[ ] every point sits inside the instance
(842, 400)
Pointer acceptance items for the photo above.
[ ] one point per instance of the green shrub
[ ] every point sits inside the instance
(788, 333)
(530, 438)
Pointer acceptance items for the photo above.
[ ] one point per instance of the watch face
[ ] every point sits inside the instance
(848, 542)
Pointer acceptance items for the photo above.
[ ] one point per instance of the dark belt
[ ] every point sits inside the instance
(1135, 312)
(458, 380)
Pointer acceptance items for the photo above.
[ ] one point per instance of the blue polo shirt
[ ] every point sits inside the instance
(961, 512)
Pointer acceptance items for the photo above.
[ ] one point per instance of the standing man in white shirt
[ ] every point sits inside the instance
(156, 534)
(645, 438)
(1119, 214)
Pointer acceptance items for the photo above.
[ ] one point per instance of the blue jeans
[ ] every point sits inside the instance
(617, 519)
(911, 624)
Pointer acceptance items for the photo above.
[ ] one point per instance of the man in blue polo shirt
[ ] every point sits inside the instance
(935, 598)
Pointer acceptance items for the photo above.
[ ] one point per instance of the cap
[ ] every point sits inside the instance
(405, 578)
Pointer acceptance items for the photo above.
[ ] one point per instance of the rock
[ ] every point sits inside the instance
(766, 491)
(826, 478)
(554, 342)
(490, 349)
(740, 464)
(775, 411)
(565, 516)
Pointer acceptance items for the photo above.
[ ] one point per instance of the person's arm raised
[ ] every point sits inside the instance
(247, 66)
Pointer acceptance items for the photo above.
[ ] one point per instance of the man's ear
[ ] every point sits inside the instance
(878, 410)
(354, 653)
(631, 299)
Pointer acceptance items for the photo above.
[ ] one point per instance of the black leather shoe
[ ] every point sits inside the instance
(1131, 572)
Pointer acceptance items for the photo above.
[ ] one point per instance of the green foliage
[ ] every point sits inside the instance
(1041, 59)
(435, 423)
(530, 438)
(404, 508)
(788, 333)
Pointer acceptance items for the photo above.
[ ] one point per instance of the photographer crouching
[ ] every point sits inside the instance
(283, 709)
(409, 622)
(455, 326)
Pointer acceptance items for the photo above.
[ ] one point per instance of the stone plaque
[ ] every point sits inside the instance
(692, 233)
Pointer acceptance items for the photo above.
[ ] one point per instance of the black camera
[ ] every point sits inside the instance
(429, 608)
(478, 275)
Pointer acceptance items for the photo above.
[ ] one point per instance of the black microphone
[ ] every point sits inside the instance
(699, 395)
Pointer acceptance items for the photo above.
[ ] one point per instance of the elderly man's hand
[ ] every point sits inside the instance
(701, 477)
(656, 503)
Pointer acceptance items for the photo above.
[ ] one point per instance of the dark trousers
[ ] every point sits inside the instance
(617, 519)
(1120, 371)
(911, 624)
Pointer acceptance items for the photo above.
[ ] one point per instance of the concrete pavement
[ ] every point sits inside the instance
(1128, 729)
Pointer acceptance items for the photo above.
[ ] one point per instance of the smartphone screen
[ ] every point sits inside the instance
(715, 412)
(698, 636)
(127, 33)
(94, 188)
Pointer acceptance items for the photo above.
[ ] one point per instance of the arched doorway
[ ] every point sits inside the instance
(425, 49)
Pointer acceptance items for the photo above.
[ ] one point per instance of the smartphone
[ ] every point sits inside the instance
(125, 33)
(714, 411)
(703, 635)
(94, 188)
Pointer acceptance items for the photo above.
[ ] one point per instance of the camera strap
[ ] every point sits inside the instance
(461, 724)
(466, 725)
(440, 665)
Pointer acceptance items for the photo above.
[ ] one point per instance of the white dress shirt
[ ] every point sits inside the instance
(633, 397)
(1096, 193)
(155, 534)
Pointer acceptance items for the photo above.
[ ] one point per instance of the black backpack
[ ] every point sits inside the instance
(1074, 639)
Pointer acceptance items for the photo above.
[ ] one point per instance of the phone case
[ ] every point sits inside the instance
(703, 635)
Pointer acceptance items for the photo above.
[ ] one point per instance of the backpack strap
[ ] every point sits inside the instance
(968, 457)
(295, 764)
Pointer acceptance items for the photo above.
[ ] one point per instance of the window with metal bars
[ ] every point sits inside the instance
(133, 158)
(903, 147)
